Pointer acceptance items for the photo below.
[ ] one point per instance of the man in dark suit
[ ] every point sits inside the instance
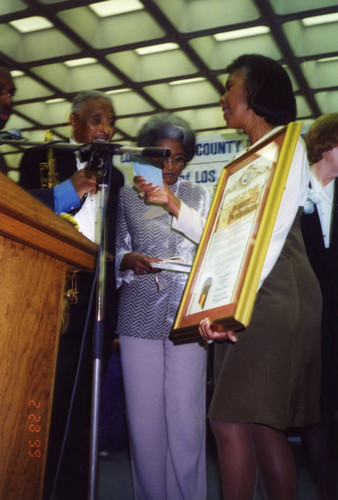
(92, 119)
(320, 232)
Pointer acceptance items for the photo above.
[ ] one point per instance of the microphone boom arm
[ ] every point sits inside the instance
(109, 147)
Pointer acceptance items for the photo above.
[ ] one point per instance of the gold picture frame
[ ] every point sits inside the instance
(237, 233)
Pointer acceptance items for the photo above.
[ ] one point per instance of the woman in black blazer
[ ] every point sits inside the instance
(320, 232)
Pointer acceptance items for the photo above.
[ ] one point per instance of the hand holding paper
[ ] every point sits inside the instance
(159, 195)
(173, 264)
(139, 263)
(150, 171)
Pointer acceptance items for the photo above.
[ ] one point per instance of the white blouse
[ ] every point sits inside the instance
(294, 196)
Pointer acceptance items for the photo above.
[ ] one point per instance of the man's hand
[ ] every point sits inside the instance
(84, 181)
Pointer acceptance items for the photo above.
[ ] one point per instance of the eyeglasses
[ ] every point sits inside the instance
(177, 161)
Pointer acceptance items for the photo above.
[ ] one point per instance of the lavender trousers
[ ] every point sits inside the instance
(165, 397)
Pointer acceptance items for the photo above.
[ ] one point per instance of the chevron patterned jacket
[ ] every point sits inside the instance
(147, 309)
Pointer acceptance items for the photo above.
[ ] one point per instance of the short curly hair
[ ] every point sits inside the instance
(322, 136)
(168, 126)
(86, 95)
(268, 87)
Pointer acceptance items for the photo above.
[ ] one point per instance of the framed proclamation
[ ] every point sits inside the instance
(223, 281)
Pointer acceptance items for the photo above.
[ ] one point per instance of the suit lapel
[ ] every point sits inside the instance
(66, 163)
(312, 229)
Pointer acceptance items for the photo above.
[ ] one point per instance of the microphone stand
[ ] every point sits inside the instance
(98, 331)
(104, 156)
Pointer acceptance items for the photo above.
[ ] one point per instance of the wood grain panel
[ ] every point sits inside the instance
(36, 250)
(31, 297)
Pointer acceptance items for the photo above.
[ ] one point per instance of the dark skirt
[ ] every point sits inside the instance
(271, 376)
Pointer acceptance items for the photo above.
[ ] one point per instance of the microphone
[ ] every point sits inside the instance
(11, 134)
(118, 149)
(149, 152)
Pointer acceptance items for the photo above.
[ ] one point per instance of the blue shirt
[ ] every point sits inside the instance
(65, 197)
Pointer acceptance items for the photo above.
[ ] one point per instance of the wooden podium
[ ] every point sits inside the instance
(36, 249)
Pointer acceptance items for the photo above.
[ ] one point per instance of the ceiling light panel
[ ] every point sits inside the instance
(321, 74)
(55, 101)
(303, 109)
(18, 122)
(112, 31)
(186, 81)
(6, 148)
(93, 76)
(310, 40)
(327, 101)
(9, 6)
(28, 88)
(16, 73)
(46, 113)
(59, 133)
(118, 91)
(118, 136)
(181, 96)
(51, 2)
(37, 135)
(115, 36)
(222, 78)
(295, 85)
(327, 59)
(113, 8)
(217, 55)
(131, 125)
(152, 49)
(14, 175)
(31, 24)
(323, 19)
(192, 15)
(130, 103)
(243, 33)
(290, 6)
(170, 64)
(84, 61)
(30, 47)
(206, 118)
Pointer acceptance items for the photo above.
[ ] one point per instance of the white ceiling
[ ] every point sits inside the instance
(142, 84)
